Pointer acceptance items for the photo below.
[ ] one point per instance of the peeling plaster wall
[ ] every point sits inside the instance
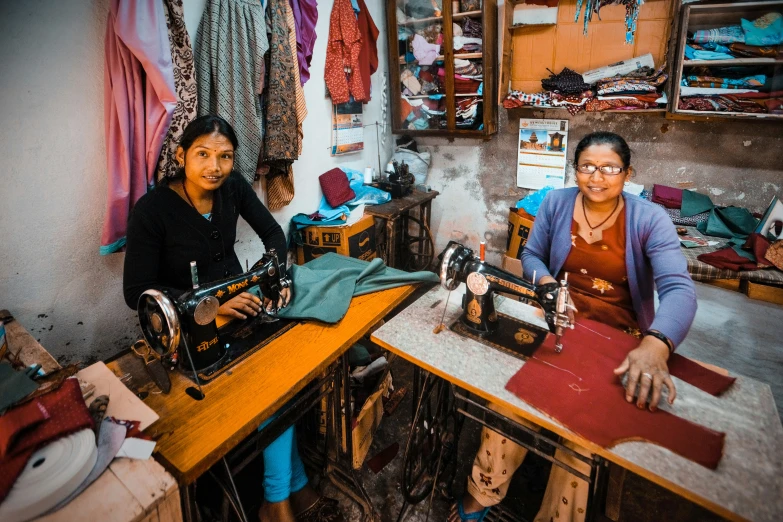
(54, 187)
(736, 163)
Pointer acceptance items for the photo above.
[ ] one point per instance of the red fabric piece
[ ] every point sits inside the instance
(342, 52)
(67, 414)
(727, 258)
(697, 375)
(595, 406)
(337, 189)
(547, 3)
(759, 245)
(17, 420)
(669, 197)
(368, 56)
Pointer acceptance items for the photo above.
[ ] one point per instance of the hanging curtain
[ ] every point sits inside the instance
(230, 45)
(139, 101)
(281, 142)
(184, 84)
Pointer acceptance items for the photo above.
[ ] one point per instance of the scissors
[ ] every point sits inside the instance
(152, 364)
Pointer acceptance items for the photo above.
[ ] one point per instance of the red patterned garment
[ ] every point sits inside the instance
(342, 55)
(368, 56)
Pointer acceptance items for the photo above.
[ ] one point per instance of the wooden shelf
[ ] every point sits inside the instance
(455, 16)
(735, 61)
(630, 111)
(726, 114)
(422, 96)
(440, 57)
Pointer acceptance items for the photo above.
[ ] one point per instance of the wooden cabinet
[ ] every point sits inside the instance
(697, 70)
(443, 67)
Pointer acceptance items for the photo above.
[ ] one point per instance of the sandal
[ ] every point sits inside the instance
(324, 510)
(476, 516)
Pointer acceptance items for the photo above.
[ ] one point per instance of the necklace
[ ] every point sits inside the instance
(187, 196)
(584, 211)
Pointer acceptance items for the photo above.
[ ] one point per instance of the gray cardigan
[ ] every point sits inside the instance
(652, 257)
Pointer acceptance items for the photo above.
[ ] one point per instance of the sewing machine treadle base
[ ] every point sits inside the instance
(512, 336)
(242, 339)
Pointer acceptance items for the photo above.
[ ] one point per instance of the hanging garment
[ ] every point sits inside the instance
(631, 14)
(305, 18)
(184, 84)
(368, 56)
(139, 101)
(578, 388)
(342, 55)
(230, 45)
(281, 142)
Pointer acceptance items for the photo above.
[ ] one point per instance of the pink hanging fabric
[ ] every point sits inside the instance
(139, 101)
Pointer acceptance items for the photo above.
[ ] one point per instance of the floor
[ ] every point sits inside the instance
(730, 330)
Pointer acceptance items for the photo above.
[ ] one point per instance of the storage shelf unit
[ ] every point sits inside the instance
(698, 16)
(445, 112)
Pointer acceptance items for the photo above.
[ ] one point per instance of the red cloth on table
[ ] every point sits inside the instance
(67, 414)
(342, 52)
(669, 197)
(368, 56)
(728, 258)
(595, 406)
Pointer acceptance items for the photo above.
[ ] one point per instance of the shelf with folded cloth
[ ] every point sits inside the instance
(733, 61)
(440, 57)
(456, 95)
(430, 19)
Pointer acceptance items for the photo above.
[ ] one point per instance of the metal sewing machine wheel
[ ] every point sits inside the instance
(418, 244)
(429, 462)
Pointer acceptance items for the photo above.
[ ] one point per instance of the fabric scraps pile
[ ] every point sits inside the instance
(639, 89)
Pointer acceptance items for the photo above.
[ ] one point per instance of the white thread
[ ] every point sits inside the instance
(555, 367)
(578, 389)
(596, 333)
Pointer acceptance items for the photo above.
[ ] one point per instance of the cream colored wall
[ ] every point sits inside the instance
(54, 182)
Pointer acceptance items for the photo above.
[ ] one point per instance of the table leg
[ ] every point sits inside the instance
(391, 243)
(188, 498)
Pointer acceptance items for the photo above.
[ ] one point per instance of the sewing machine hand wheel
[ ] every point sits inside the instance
(452, 256)
(159, 321)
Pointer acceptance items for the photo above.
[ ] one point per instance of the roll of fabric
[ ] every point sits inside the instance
(51, 475)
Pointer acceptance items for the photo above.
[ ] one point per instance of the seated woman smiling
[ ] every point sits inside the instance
(617, 250)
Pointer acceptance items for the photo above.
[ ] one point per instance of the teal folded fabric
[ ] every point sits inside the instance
(323, 287)
(14, 386)
(729, 222)
(694, 203)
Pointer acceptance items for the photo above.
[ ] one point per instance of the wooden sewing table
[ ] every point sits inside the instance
(745, 486)
(192, 436)
(397, 214)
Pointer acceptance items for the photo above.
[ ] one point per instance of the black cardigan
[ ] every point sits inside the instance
(165, 234)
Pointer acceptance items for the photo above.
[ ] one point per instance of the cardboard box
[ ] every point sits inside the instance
(367, 422)
(519, 225)
(357, 240)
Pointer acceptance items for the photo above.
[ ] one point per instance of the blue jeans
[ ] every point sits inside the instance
(284, 472)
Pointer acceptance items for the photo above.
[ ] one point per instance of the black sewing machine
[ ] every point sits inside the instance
(480, 321)
(188, 321)
(400, 182)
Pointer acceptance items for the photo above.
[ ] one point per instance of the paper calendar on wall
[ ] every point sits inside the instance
(541, 157)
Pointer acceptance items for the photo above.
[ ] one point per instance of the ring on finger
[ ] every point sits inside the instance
(645, 374)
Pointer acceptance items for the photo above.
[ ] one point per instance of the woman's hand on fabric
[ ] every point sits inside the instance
(285, 297)
(241, 306)
(646, 365)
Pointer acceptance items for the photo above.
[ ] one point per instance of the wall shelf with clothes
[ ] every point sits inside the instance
(728, 61)
(443, 79)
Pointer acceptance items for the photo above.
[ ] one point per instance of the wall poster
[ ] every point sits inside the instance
(541, 159)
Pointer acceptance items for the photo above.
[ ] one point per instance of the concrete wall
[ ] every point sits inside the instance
(53, 191)
(736, 163)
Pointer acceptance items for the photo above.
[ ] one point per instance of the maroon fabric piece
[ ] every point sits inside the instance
(697, 375)
(578, 389)
(68, 414)
(16, 420)
(759, 245)
(727, 258)
(669, 197)
(336, 187)
(547, 3)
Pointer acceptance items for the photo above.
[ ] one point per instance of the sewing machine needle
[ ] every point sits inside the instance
(438, 329)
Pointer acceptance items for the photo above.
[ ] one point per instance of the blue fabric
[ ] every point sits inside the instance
(766, 30)
(652, 256)
(364, 194)
(284, 472)
(532, 201)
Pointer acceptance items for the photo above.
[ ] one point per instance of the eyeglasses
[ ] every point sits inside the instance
(606, 170)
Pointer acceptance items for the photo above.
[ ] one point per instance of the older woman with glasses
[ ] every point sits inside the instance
(617, 250)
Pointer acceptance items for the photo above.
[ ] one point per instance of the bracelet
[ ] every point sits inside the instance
(658, 335)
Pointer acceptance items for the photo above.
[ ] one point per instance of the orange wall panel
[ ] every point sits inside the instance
(532, 51)
(652, 37)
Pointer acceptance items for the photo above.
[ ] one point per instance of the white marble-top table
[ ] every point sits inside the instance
(748, 483)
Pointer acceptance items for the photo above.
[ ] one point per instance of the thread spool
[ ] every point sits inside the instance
(369, 174)
(482, 250)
